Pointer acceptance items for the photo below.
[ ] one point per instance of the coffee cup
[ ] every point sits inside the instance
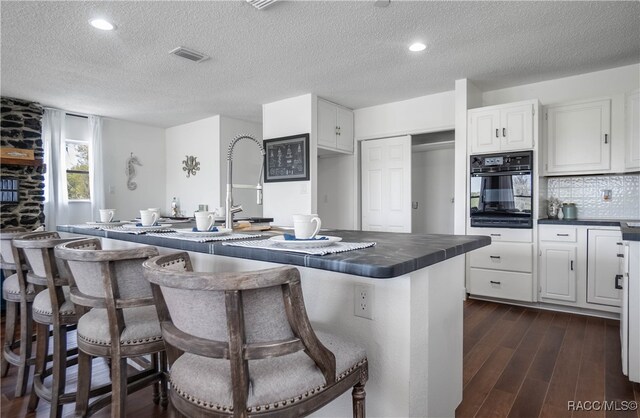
(156, 210)
(306, 226)
(204, 220)
(106, 215)
(148, 217)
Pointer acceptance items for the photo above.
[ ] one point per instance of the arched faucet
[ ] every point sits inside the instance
(230, 209)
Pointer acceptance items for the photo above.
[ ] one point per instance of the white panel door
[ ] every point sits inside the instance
(603, 267)
(579, 137)
(558, 271)
(386, 184)
(516, 128)
(484, 133)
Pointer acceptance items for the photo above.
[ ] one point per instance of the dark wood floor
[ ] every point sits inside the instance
(522, 362)
(517, 363)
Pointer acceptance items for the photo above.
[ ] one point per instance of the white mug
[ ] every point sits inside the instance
(148, 217)
(303, 226)
(156, 210)
(204, 220)
(106, 215)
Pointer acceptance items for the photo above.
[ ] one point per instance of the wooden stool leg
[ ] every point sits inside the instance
(9, 333)
(164, 400)
(26, 335)
(358, 396)
(155, 363)
(42, 349)
(59, 369)
(118, 387)
(84, 383)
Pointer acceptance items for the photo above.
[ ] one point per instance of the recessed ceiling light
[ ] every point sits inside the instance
(102, 24)
(417, 47)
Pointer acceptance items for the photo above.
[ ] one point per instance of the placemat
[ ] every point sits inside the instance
(338, 247)
(137, 232)
(229, 237)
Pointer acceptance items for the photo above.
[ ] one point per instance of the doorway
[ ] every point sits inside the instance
(432, 183)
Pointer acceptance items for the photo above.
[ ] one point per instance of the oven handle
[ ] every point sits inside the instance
(502, 173)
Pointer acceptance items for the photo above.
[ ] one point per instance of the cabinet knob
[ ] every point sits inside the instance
(494, 256)
(504, 132)
(606, 138)
(494, 282)
(571, 265)
(497, 134)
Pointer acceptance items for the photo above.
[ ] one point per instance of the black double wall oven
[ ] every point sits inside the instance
(501, 192)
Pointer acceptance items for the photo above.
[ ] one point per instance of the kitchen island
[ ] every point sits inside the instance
(415, 285)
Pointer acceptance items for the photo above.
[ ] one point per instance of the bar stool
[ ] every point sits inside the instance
(18, 295)
(240, 344)
(122, 321)
(51, 308)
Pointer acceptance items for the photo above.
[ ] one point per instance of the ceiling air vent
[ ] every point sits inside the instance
(189, 54)
(261, 4)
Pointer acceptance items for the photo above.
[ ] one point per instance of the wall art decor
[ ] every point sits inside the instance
(191, 165)
(132, 162)
(287, 158)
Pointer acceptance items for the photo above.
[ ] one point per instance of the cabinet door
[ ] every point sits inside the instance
(558, 271)
(345, 129)
(485, 133)
(632, 146)
(327, 126)
(516, 128)
(603, 267)
(579, 137)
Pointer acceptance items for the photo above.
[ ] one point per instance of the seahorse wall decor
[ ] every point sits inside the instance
(132, 162)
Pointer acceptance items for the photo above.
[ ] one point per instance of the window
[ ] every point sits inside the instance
(77, 159)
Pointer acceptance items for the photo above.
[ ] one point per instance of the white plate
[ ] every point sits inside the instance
(279, 239)
(146, 228)
(113, 223)
(204, 234)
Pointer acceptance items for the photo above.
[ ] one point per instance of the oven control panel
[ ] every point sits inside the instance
(493, 161)
(515, 161)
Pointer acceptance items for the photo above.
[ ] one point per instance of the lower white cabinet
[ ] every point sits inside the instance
(503, 269)
(557, 273)
(604, 267)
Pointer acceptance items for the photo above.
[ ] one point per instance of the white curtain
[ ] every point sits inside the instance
(96, 173)
(56, 204)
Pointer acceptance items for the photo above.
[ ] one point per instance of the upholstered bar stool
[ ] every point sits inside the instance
(240, 344)
(18, 296)
(53, 309)
(122, 321)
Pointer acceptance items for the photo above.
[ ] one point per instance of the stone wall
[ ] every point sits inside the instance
(21, 127)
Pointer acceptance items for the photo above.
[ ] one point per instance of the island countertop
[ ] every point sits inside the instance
(394, 254)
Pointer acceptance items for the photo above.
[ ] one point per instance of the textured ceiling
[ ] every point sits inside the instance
(350, 52)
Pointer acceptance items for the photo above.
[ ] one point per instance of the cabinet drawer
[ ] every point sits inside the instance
(504, 234)
(565, 234)
(503, 256)
(501, 284)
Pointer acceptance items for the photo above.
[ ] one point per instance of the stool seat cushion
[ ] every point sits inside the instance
(42, 304)
(11, 289)
(141, 326)
(274, 382)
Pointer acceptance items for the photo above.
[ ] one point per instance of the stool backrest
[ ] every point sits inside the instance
(238, 316)
(47, 270)
(6, 250)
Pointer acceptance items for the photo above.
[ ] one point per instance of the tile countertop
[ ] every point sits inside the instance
(395, 254)
(628, 233)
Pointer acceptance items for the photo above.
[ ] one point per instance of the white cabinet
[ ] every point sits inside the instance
(335, 127)
(503, 269)
(632, 144)
(557, 273)
(501, 128)
(578, 137)
(604, 267)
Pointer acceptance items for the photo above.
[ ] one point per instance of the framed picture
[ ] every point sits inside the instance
(287, 158)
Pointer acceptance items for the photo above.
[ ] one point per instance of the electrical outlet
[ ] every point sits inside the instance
(363, 301)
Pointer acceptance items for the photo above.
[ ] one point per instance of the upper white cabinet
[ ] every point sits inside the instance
(578, 137)
(335, 127)
(501, 128)
(632, 154)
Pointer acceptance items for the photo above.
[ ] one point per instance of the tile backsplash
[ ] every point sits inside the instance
(586, 192)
